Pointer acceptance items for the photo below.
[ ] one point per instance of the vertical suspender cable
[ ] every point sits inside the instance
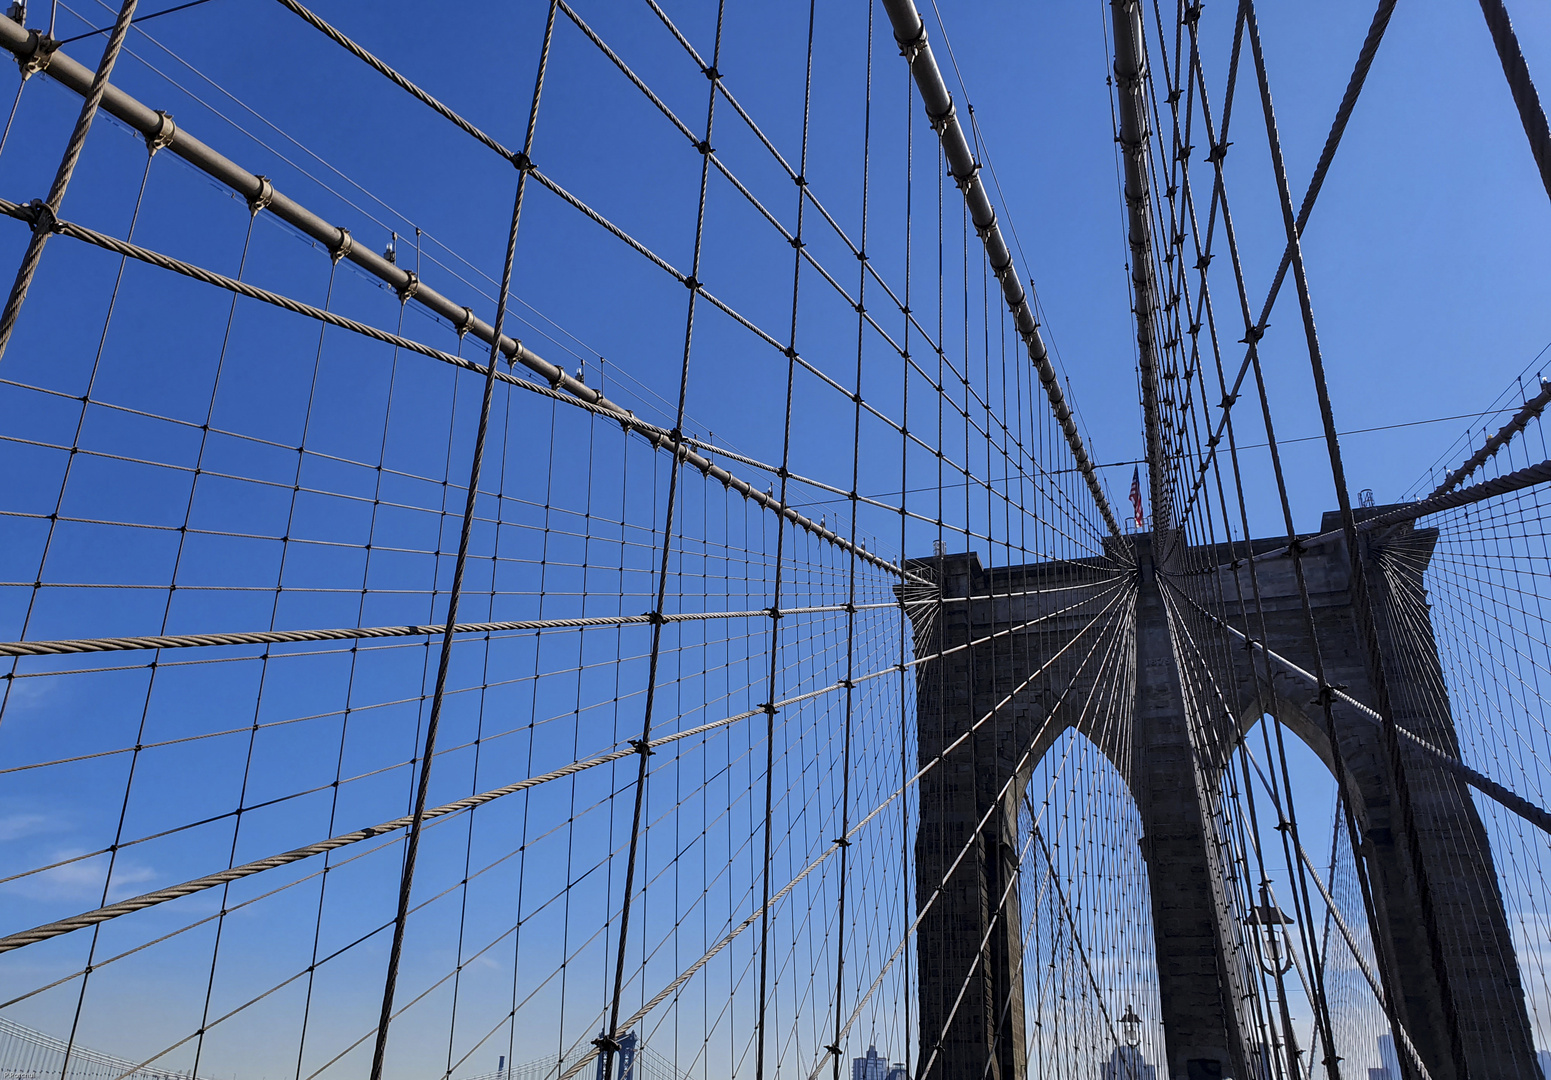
(1363, 616)
(412, 843)
(856, 462)
(910, 32)
(49, 210)
(775, 595)
(609, 1042)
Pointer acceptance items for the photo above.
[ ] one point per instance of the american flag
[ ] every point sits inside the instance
(1136, 496)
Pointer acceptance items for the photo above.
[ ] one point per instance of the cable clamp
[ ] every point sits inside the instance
(773, 612)
(1228, 401)
(711, 72)
(42, 217)
(692, 283)
(468, 321)
(607, 1043)
(346, 242)
(1253, 335)
(36, 55)
(1218, 152)
(912, 48)
(522, 162)
(262, 198)
(704, 147)
(841, 841)
(940, 120)
(768, 708)
(162, 134)
(410, 287)
(642, 747)
(1192, 14)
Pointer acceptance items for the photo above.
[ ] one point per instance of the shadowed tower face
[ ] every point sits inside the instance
(1025, 678)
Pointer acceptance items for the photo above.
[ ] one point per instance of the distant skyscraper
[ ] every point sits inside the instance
(1390, 1070)
(898, 1072)
(1127, 1063)
(872, 1067)
(1543, 1059)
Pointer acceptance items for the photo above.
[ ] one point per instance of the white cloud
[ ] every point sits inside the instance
(81, 880)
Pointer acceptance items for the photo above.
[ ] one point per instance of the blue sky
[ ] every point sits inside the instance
(1426, 254)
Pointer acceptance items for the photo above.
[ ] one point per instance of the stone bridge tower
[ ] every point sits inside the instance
(1479, 1016)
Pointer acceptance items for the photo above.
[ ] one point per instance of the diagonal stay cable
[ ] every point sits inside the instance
(363, 633)
(570, 390)
(840, 842)
(1354, 87)
(460, 565)
(260, 192)
(1525, 97)
(174, 892)
(1521, 806)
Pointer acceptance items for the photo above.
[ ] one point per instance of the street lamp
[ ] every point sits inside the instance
(1272, 923)
(1132, 1026)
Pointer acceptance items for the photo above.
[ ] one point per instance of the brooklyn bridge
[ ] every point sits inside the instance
(577, 539)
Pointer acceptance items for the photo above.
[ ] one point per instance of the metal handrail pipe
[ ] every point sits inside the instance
(1130, 74)
(38, 53)
(1532, 408)
(910, 33)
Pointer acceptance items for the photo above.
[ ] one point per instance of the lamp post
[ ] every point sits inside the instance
(1270, 921)
(1131, 1031)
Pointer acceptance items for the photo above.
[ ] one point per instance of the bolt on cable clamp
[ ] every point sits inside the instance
(410, 287)
(262, 198)
(911, 49)
(43, 219)
(163, 134)
(37, 53)
(346, 242)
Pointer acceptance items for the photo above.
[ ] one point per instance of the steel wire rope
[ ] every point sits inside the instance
(898, 793)
(48, 208)
(1219, 139)
(1363, 617)
(1354, 87)
(1421, 690)
(609, 1047)
(1286, 825)
(856, 451)
(658, 437)
(423, 785)
(525, 163)
(998, 910)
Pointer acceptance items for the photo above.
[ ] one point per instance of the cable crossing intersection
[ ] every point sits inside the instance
(600, 572)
